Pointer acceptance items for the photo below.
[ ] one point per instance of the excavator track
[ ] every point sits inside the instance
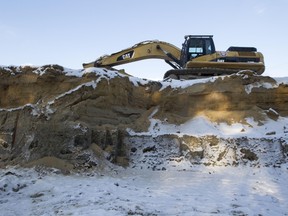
(196, 73)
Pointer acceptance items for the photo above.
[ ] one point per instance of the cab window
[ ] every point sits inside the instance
(196, 48)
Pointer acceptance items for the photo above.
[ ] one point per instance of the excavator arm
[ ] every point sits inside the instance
(144, 50)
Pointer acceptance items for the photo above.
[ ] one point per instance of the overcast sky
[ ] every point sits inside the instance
(70, 32)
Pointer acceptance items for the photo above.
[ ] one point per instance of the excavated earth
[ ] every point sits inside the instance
(53, 118)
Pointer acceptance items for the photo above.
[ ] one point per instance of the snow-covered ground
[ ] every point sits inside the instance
(200, 191)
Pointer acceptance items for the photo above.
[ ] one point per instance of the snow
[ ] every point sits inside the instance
(201, 126)
(110, 74)
(184, 83)
(17, 108)
(279, 81)
(248, 88)
(201, 191)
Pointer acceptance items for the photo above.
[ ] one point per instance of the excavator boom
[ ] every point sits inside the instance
(144, 50)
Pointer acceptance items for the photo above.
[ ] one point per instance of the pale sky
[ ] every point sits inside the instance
(71, 32)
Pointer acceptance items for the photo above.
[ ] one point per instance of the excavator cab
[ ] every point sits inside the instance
(195, 46)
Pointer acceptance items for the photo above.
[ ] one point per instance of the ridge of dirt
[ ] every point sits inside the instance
(82, 121)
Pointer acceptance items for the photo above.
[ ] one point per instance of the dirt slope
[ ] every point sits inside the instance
(50, 117)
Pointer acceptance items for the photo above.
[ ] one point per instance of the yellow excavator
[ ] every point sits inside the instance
(197, 58)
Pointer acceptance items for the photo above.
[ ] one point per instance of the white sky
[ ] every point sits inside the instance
(70, 32)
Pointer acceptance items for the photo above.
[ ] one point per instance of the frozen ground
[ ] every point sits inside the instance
(199, 191)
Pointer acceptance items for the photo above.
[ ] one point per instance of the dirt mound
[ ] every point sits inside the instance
(82, 118)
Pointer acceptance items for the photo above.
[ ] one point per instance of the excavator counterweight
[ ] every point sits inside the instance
(197, 58)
